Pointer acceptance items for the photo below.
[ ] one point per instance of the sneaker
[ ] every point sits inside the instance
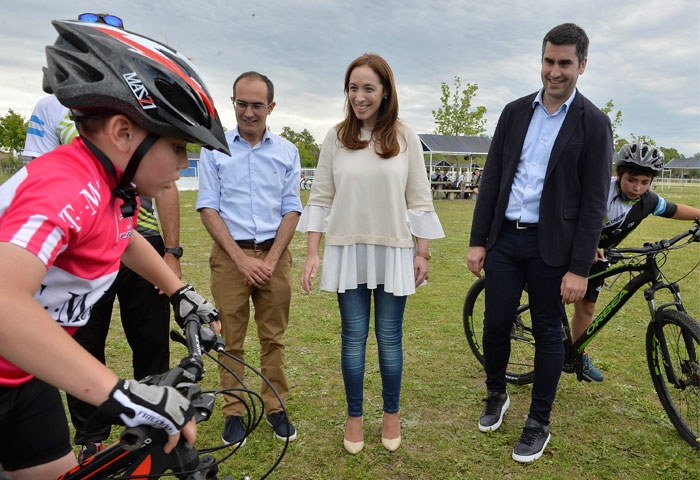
(532, 442)
(283, 428)
(234, 431)
(89, 450)
(492, 416)
(590, 373)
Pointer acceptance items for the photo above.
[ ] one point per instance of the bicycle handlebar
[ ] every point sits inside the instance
(616, 254)
(198, 338)
(140, 449)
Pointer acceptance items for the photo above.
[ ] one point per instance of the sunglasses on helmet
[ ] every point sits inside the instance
(112, 20)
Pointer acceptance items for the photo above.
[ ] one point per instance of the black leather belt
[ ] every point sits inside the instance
(260, 247)
(518, 225)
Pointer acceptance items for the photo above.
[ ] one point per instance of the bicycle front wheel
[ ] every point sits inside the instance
(675, 370)
(521, 365)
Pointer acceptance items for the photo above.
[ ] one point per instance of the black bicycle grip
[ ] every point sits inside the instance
(192, 324)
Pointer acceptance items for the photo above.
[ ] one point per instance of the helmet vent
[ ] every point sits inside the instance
(182, 103)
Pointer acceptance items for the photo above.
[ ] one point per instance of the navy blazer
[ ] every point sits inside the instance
(573, 203)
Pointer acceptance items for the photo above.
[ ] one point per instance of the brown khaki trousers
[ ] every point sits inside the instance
(271, 310)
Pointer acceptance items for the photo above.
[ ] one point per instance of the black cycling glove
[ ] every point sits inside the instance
(136, 403)
(186, 302)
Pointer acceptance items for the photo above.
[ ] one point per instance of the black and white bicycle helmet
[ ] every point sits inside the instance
(97, 67)
(641, 155)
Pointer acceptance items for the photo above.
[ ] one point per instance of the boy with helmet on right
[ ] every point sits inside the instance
(630, 201)
(67, 219)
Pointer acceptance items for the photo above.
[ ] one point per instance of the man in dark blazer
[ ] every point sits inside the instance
(537, 221)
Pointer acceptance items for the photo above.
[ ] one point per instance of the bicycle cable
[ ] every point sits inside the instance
(253, 404)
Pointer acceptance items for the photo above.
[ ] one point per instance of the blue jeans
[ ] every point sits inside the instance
(513, 261)
(388, 325)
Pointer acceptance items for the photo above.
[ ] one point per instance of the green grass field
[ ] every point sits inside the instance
(612, 430)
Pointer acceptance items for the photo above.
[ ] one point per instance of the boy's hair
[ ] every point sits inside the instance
(634, 170)
(91, 123)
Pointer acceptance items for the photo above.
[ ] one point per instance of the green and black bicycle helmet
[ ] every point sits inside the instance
(641, 155)
(98, 67)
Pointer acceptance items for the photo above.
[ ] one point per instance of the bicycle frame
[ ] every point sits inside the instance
(649, 273)
(141, 448)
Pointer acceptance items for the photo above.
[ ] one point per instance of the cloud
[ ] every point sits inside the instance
(644, 55)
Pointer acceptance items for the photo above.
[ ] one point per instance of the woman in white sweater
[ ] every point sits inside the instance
(372, 199)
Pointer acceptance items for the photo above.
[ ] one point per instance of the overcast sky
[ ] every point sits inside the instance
(644, 54)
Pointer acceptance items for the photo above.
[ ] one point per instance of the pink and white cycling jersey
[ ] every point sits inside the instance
(74, 227)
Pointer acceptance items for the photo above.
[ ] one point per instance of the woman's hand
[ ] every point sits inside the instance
(309, 273)
(420, 269)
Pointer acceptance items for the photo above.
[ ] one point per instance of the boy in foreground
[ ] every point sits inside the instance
(66, 221)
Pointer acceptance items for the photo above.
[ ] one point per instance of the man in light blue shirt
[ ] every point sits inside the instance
(524, 200)
(249, 203)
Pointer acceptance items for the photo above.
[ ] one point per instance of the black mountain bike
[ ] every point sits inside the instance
(672, 339)
(139, 451)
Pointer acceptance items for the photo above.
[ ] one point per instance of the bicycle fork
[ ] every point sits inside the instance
(660, 336)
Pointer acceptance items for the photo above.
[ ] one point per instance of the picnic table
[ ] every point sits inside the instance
(443, 190)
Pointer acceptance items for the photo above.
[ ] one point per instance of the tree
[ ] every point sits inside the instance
(616, 122)
(306, 144)
(194, 148)
(642, 139)
(454, 117)
(13, 132)
(670, 153)
(619, 143)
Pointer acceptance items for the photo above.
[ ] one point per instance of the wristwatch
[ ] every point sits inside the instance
(176, 251)
(424, 255)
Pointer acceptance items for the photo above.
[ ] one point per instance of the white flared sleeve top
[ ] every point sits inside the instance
(370, 209)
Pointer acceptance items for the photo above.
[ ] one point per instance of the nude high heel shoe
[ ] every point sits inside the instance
(391, 444)
(353, 448)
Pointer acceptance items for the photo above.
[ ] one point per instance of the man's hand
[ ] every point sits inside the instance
(254, 270)
(475, 260)
(573, 288)
(186, 302)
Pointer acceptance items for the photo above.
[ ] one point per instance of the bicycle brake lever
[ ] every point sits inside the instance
(203, 406)
(209, 340)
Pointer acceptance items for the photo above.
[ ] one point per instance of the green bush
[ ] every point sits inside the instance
(8, 166)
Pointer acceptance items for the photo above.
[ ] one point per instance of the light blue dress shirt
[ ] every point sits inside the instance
(524, 200)
(254, 187)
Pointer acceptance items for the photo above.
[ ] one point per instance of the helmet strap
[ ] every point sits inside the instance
(125, 189)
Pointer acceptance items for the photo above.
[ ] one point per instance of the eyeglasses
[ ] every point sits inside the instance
(101, 18)
(243, 106)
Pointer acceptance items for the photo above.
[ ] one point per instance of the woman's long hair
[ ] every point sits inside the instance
(385, 131)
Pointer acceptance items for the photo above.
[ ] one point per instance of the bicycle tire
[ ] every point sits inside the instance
(682, 338)
(521, 364)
